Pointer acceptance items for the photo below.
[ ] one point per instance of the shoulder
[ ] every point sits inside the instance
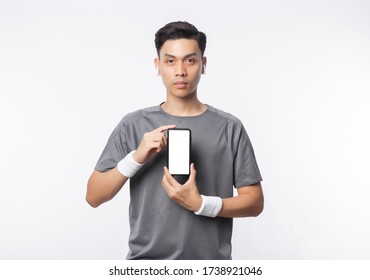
(139, 114)
(225, 116)
(132, 118)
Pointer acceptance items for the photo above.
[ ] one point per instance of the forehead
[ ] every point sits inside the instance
(180, 47)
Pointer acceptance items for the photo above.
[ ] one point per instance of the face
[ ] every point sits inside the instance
(180, 65)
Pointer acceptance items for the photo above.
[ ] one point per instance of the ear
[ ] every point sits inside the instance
(204, 64)
(156, 64)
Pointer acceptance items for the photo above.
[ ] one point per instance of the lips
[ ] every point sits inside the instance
(180, 84)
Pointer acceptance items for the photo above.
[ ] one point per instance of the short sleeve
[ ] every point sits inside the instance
(246, 171)
(115, 149)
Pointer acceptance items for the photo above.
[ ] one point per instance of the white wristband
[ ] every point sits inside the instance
(128, 166)
(211, 206)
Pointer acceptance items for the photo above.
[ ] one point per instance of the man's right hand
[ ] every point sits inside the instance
(153, 142)
(103, 186)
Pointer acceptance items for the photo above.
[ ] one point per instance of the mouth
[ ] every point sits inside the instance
(180, 84)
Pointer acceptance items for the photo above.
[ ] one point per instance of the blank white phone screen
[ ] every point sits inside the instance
(178, 151)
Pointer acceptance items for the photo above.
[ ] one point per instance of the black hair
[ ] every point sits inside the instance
(180, 30)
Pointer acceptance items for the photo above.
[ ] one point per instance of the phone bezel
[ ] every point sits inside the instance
(168, 150)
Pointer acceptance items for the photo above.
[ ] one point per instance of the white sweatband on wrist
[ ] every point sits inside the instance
(211, 206)
(128, 166)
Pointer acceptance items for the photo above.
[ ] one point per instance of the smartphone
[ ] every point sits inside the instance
(179, 146)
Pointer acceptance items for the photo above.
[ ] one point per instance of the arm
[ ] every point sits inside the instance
(103, 186)
(248, 202)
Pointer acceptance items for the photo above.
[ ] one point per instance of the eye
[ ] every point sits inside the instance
(190, 61)
(170, 61)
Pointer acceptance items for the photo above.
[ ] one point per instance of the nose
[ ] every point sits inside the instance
(180, 70)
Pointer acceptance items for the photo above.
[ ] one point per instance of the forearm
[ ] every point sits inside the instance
(243, 205)
(103, 186)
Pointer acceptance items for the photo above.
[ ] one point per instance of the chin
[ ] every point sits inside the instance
(182, 93)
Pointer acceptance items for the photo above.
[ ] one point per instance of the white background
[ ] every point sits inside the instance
(297, 73)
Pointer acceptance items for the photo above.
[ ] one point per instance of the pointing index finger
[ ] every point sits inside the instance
(164, 127)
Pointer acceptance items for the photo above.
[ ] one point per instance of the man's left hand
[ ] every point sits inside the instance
(186, 195)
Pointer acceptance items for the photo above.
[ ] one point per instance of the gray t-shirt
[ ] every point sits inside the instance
(223, 157)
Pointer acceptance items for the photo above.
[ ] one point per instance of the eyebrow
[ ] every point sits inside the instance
(186, 56)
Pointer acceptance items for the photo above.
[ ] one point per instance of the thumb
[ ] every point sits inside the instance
(193, 172)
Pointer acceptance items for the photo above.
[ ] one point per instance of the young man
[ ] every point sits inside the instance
(170, 220)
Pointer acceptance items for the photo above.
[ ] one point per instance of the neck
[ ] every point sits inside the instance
(183, 107)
